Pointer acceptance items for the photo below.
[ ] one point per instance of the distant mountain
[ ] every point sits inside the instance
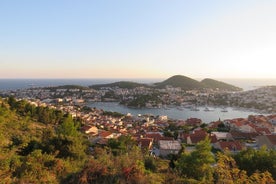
(214, 84)
(121, 84)
(181, 81)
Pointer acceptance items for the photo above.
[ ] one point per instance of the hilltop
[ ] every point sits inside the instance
(181, 81)
(187, 83)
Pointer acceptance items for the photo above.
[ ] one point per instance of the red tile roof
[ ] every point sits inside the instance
(262, 131)
(145, 143)
(154, 136)
(105, 134)
(231, 145)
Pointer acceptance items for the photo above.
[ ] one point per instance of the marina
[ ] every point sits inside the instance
(206, 114)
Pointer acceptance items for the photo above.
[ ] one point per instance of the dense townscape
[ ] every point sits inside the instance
(172, 94)
(79, 144)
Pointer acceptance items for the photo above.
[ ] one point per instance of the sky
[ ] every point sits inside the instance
(137, 38)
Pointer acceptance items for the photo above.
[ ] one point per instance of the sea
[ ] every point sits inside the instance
(172, 112)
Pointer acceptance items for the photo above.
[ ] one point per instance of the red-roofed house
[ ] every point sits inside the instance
(90, 129)
(106, 135)
(145, 143)
(262, 131)
(193, 122)
(156, 136)
(233, 146)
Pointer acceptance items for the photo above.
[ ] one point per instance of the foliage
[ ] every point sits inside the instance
(142, 100)
(113, 114)
(197, 165)
(42, 145)
(261, 160)
(183, 82)
(214, 84)
(227, 171)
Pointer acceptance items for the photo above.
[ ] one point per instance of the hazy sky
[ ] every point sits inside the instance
(137, 38)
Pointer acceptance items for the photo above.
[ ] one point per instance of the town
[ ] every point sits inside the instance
(262, 100)
(160, 135)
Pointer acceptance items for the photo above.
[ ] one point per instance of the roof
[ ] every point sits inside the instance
(145, 142)
(221, 135)
(155, 136)
(231, 145)
(243, 135)
(105, 134)
(169, 145)
(197, 138)
(262, 130)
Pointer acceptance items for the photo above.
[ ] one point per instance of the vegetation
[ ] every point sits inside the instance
(214, 84)
(183, 82)
(113, 114)
(43, 145)
(142, 100)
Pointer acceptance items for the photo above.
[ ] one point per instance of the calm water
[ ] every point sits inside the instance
(176, 113)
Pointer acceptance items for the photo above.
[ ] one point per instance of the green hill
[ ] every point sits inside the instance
(183, 82)
(120, 84)
(214, 84)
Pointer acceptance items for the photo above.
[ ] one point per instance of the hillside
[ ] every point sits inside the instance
(120, 84)
(183, 82)
(214, 84)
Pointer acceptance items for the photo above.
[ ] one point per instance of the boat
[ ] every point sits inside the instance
(195, 109)
(206, 109)
(224, 110)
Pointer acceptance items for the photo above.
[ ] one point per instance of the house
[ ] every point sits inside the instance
(196, 136)
(167, 147)
(106, 135)
(263, 131)
(222, 135)
(145, 143)
(90, 129)
(156, 136)
(267, 140)
(232, 146)
(243, 136)
(193, 122)
(248, 128)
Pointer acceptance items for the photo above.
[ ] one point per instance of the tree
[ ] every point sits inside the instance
(67, 127)
(227, 171)
(261, 160)
(197, 164)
